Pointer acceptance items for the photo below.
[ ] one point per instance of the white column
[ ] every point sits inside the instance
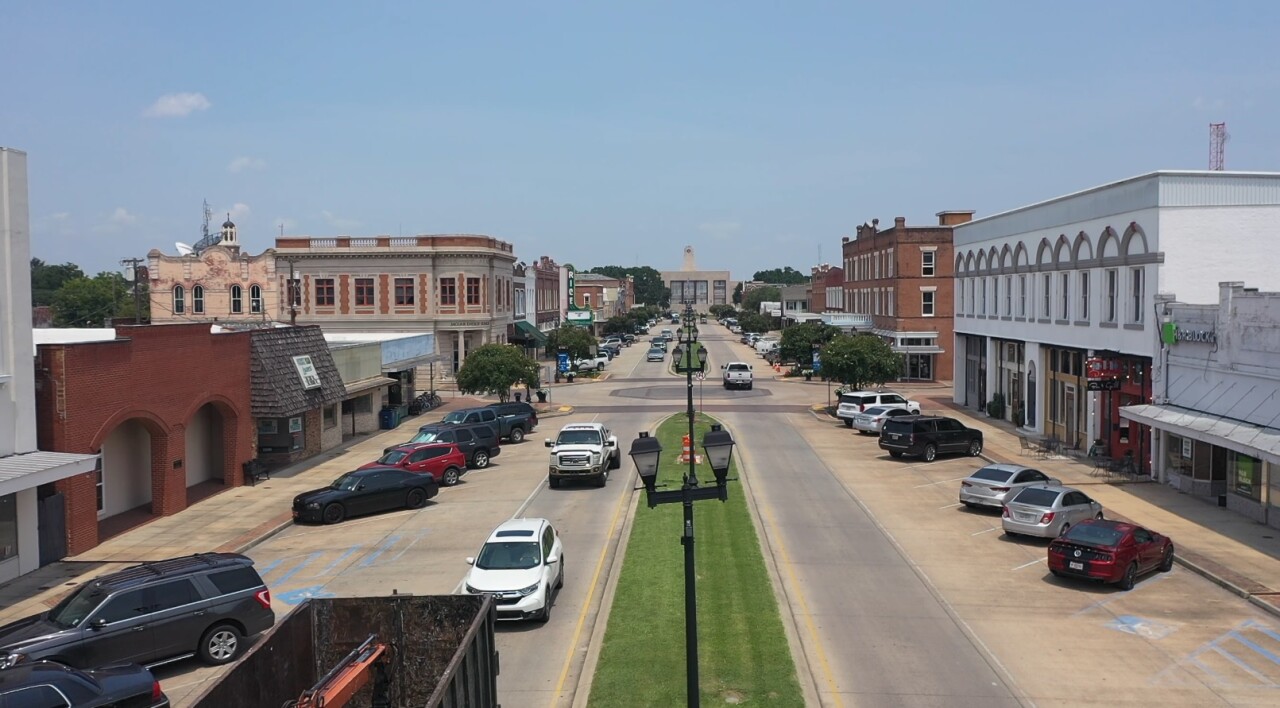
(462, 347)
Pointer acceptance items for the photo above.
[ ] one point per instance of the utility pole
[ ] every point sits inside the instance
(293, 292)
(137, 289)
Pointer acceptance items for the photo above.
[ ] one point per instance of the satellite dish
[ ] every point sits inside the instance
(184, 249)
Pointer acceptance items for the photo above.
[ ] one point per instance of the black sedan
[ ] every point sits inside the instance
(46, 683)
(365, 492)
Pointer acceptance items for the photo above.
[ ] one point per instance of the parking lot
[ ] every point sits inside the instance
(1175, 639)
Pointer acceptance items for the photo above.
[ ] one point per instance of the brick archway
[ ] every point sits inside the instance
(233, 449)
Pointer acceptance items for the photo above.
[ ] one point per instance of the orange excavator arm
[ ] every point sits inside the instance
(343, 681)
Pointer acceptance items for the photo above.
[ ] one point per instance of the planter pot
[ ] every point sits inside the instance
(542, 396)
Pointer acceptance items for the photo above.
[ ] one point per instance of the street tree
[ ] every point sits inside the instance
(648, 283)
(755, 322)
(751, 301)
(494, 368)
(576, 340)
(797, 341)
(780, 276)
(47, 279)
(89, 302)
(860, 360)
(619, 324)
(719, 311)
(737, 294)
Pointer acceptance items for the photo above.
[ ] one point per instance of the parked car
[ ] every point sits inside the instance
(1047, 511)
(870, 420)
(478, 441)
(479, 414)
(365, 491)
(522, 566)
(927, 436)
(516, 419)
(47, 684)
(995, 484)
(629, 339)
(1109, 551)
(444, 461)
(656, 354)
(200, 605)
(610, 350)
(593, 363)
(856, 402)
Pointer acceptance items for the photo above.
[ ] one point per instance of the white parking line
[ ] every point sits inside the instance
(1028, 565)
(978, 533)
(957, 479)
(950, 506)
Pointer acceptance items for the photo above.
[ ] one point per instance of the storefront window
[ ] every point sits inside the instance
(8, 526)
(1244, 474)
(1178, 454)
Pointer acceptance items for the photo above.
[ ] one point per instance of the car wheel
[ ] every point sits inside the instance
(450, 477)
(930, 452)
(545, 615)
(749, 386)
(415, 499)
(1056, 573)
(975, 448)
(848, 423)
(560, 578)
(615, 462)
(333, 514)
(895, 454)
(553, 483)
(1130, 577)
(480, 460)
(219, 645)
(1166, 562)
(517, 434)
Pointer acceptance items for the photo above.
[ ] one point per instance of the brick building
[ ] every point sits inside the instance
(546, 299)
(832, 287)
(166, 407)
(294, 393)
(217, 284)
(902, 277)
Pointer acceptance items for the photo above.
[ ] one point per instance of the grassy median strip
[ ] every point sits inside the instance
(742, 648)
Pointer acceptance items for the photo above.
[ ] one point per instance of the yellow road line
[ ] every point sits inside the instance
(586, 606)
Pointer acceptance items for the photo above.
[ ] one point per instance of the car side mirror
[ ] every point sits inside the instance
(359, 487)
(98, 624)
(1055, 482)
(553, 559)
(547, 442)
(610, 443)
(471, 560)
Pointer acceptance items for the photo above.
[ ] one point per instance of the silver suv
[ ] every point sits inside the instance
(851, 404)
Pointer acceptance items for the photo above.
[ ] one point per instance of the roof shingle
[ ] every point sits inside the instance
(275, 386)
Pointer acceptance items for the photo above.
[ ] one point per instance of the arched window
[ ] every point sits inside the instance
(197, 299)
(179, 300)
(237, 299)
(255, 299)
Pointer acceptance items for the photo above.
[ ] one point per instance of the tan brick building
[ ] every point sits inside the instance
(902, 278)
(218, 284)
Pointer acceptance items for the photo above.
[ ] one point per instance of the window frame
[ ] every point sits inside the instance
(1046, 300)
(255, 299)
(365, 293)
(179, 300)
(237, 300)
(326, 292)
(1137, 286)
(1084, 296)
(1064, 298)
(1022, 295)
(197, 299)
(449, 291)
(928, 263)
(1113, 296)
(404, 295)
(928, 303)
(473, 291)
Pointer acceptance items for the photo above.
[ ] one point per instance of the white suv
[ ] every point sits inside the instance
(521, 566)
(851, 404)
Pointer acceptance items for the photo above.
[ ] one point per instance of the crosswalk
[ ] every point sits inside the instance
(296, 577)
(1246, 656)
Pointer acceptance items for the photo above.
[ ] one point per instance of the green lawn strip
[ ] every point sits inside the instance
(743, 651)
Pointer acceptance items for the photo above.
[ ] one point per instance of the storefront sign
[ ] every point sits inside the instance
(469, 324)
(579, 316)
(1103, 385)
(1098, 369)
(1171, 334)
(307, 372)
(295, 425)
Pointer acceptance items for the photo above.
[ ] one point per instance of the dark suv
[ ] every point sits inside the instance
(202, 605)
(478, 441)
(927, 436)
(46, 684)
(515, 419)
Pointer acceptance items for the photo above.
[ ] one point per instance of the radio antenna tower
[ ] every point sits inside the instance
(1217, 146)
(208, 215)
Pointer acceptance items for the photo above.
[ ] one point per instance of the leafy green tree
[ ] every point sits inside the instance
(860, 360)
(494, 369)
(719, 311)
(648, 283)
(47, 279)
(737, 294)
(619, 324)
(89, 302)
(797, 341)
(576, 340)
(755, 322)
(780, 276)
(751, 301)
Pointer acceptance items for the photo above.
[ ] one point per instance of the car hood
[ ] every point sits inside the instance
(574, 448)
(27, 631)
(486, 580)
(320, 495)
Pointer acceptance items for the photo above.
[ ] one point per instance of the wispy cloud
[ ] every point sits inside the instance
(117, 220)
(240, 164)
(177, 105)
(235, 212)
(1208, 104)
(122, 217)
(722, 230)
(338, 222)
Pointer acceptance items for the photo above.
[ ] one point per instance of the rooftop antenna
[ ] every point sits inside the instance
(1218, 138)
(208, 216)
(207, 239)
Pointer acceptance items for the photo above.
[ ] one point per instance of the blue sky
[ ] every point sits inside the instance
(609, 133)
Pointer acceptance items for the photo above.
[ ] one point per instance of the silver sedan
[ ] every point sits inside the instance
(871, 420)
(1047, 511)
(994, 485)
(656, 355)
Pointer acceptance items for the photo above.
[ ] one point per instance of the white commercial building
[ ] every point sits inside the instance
(1055, 319)
(32, 513)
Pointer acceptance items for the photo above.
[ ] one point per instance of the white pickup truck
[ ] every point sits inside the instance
(583, 451)
(592, 363)
(737, 374)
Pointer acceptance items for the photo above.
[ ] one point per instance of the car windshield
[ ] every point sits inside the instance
(393, 457)
(346, 483)
(76, 606)
(988, 474)
(737, 367)
(578, 437)
(455, 417)
(509, 555)
(851, 400)
(426, 436)
(1037, 497)
(1094, 534)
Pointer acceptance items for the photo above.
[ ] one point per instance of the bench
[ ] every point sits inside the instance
(254, 472)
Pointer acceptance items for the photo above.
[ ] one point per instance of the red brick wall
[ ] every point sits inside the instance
(160, 375)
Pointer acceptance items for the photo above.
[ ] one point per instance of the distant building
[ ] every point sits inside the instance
(829, 281)
(217, 284)
(702, 288)
(548, 312)
(42, 316)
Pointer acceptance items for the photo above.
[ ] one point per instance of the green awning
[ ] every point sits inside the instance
(531, 333)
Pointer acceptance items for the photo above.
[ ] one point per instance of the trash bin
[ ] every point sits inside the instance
(388, 418)
(542, 396)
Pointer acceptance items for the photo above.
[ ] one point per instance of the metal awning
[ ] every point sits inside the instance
(1247, 438)
(531, 333)
(918, 349)
(32, 469)
(366, 384)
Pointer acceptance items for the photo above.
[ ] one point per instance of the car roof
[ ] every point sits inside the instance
(439, 425)
(414, 447)
(1006, 467)
(1120, 526)
(583, 426)
(370, 470)
(530, 525)
(168, 568)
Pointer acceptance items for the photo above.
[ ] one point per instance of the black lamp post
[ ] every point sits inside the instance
(718, 444)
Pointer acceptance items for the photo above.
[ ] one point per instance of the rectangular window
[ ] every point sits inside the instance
(448, 291)
(473, 291)
(1022, 296)
(983, 284)
(1046, 304)
(1084, 296)
(404, 291)
(330, 416)
(995, 297)
(325, 292)
(927, 263)
(1113, 295)
(8, 526)
(1008, 295)
(1065, 296)
(889, 265)
(364, 292)
(926, 303)
(1135, 295)
(97, 470)
(973, 306)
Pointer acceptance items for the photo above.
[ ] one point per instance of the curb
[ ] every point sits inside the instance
(556, 413)
(260, 533)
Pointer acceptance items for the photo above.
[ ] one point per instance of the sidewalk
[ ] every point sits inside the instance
(231, 521)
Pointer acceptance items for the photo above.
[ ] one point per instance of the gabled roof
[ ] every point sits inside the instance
(276, 389)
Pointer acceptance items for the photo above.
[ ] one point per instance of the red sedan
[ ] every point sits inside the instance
(444, 461)
(1109, 551)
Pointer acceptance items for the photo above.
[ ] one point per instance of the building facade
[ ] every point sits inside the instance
(902, 278)
(294, 394)
(458, 286)
(830, 281)
(218, 284)
(1215, 413)
(701, 288)
(33, 528)
(1053, 298)
(547, 308)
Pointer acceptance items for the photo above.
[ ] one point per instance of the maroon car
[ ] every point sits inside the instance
(1109, 551)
